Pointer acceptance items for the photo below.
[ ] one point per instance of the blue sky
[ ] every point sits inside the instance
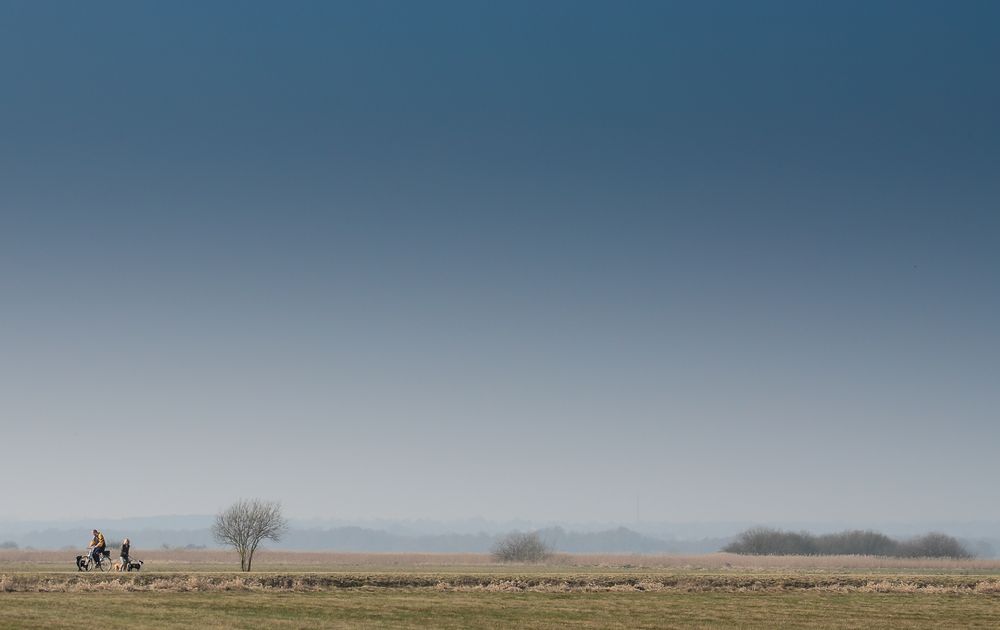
(512, 260)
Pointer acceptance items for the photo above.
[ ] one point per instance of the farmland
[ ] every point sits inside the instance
(199, 589)
(200, 560)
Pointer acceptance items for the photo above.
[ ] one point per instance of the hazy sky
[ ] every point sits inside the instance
(449, 259)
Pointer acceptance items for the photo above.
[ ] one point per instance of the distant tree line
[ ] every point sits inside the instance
(762, 541)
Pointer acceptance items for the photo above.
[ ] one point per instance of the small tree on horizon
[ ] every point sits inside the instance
(246, 523)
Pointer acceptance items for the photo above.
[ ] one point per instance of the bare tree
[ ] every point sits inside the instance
(246, 523)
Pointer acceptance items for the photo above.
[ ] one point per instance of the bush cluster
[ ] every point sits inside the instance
(521, 547)
(764, 541)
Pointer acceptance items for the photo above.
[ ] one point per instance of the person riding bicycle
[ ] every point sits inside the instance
(97, 546)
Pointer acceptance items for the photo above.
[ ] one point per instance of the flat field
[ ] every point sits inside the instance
(197, 589)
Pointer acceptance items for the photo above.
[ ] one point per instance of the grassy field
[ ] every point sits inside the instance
(294, 561)
(422, 608)
(193, 590)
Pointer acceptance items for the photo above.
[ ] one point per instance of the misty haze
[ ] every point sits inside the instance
(424, 314)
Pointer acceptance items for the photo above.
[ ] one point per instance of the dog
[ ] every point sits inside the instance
(81, 561)
(127, 566)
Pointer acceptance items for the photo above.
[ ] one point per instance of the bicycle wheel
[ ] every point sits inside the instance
(104, 564)
(84, 564)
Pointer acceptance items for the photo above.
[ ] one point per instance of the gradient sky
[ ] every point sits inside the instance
(510, 260)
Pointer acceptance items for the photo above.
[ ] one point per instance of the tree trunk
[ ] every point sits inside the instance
(253, 548)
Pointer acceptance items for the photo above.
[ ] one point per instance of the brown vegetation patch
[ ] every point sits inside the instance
(688, 583)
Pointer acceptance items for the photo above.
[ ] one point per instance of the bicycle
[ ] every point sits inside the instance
(87, 562)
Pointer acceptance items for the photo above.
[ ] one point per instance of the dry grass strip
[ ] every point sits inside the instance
(299, 582)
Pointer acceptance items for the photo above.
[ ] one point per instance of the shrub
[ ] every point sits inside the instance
(933, 545)
(521, 547)
(762, 541)
(856, 543)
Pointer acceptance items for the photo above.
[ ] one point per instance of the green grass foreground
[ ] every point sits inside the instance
(427, 608)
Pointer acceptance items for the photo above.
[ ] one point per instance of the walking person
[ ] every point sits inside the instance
(123, 556)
